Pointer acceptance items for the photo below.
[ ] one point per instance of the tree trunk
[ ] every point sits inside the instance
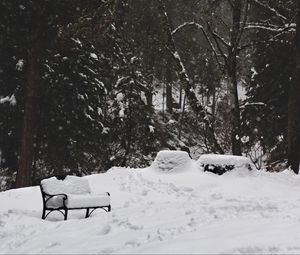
(181, 118)
(169, 98)
(232, 75)
(294, 106)
(24, 174)
(213, 106)
(180, 96)
(184, 79)
(234, 108)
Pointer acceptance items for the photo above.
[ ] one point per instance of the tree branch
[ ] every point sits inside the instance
(199, 26)
(183, 76)
(272, 10)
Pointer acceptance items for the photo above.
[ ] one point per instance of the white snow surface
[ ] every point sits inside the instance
(171, 160)
(155, 212)
(70, 185)
(222, 160)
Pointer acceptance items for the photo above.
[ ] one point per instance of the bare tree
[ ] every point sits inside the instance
(184, 79)
(226, 26)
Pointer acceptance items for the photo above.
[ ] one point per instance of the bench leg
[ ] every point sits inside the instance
(44, 214)
(87, 212)
(66, 214)
(109, 208)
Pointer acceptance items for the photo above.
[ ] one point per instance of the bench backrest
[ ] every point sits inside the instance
(70, 185)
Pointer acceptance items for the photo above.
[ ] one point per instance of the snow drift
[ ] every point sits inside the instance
(182, 211)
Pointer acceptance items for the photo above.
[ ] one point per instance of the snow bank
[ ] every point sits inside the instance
(171, 160)
(155, 212)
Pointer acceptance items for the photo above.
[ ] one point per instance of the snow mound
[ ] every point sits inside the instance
(220, 164)
(171, 160)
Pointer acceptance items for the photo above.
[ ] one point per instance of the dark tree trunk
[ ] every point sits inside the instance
(184, 79)
(234, 107)
(232, 75)
(24, 174)
(169, 98)
(294, 106)
(213, 107)
(180, 96)
(149, 98)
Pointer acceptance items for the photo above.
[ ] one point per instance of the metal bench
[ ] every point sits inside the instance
(72, 193)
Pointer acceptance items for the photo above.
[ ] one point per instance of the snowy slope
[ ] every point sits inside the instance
(187, 211)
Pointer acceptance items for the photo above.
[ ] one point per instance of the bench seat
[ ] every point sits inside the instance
(78, 201)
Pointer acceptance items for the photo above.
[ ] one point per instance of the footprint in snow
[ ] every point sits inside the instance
(132, 244)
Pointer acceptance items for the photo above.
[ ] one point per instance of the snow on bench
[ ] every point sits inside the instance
(171, 160)
(69, 194)
(219, 164)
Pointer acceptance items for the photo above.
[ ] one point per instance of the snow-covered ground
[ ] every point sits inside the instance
(186, 211)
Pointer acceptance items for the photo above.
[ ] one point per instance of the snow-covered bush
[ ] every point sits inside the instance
(171, 160)
(219, 164)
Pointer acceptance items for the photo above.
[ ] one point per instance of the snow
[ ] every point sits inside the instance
(151, 128)
(254, 73)
(94, 56)
(77, 41)
(77, 201)
(223, 160)
(120, 97)
(171, 160)
(11, 100)
(71, 184)
(245, 139)
(122, 113)
(185, 24)
(20, 65)
(184, 212)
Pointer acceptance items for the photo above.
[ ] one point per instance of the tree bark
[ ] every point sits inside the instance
(24, 174)
(232, 75)
(169, 98)
(234, 107)
(184, 79)
(294, 106)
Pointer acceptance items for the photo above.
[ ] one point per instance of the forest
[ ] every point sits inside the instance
(87, 85)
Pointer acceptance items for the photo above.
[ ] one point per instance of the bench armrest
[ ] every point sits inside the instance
(47, 197)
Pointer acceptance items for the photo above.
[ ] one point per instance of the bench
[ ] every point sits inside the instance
(72, 193)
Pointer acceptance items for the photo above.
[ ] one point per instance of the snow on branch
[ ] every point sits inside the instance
(187, 24)
(271, 9)
(199, 26)
(288, 28)
(252, 104)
